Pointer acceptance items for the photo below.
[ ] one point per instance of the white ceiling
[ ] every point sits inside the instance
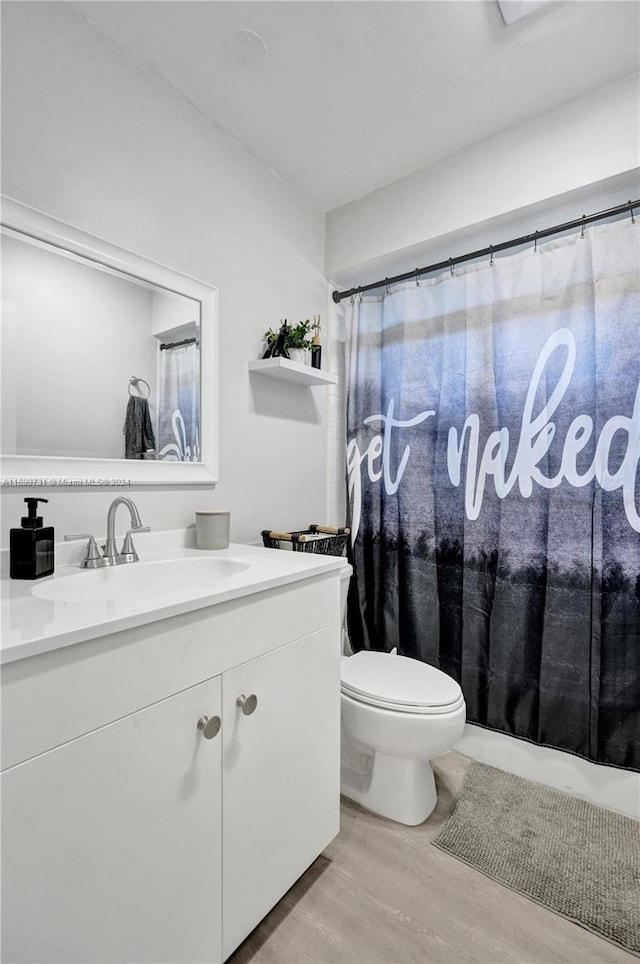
(355, 94)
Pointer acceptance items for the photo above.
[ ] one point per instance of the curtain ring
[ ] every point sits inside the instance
(535, 241)
(582, 232)
(451, 266)
(353, 299)
(633, 220)
(386, 282)
(418, 277)
(491, 253)
(360, 297)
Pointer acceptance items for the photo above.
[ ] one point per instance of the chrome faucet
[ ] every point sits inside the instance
(111, 556)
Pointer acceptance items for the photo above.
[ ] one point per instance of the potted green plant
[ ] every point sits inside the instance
(290, 341)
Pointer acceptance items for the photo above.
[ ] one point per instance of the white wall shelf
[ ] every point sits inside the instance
(290, 371)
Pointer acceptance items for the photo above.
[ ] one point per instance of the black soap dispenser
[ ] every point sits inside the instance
(31, 546)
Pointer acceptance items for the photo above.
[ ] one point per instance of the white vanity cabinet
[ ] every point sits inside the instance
(281, 785)
(131, 834)
(105, 838)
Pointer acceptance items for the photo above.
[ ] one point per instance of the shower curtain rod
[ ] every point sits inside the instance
(178, 344)
(417, 273)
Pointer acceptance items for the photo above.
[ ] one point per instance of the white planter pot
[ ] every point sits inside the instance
(300, 355)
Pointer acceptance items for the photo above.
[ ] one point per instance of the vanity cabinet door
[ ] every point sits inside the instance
(112, 850)
(281, 775)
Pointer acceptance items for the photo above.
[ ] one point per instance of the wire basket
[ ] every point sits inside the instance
(328, 540)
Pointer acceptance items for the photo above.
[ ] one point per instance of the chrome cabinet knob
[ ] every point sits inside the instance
(247, 703)
(209, 727)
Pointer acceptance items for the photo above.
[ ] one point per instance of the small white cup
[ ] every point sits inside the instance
(212, 530)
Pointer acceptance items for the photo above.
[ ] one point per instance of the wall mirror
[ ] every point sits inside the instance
(108, 361)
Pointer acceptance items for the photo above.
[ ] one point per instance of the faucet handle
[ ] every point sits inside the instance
(92, 559)
(128, 553)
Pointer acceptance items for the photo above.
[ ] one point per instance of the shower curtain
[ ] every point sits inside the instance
(493, 441)
(179, 404)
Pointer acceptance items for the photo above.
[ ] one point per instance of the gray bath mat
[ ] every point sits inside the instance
(577, 859)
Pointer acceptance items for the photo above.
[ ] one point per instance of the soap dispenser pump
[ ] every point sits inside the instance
(31, 546)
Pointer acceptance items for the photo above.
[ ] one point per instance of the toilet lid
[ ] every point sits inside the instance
(399, 683)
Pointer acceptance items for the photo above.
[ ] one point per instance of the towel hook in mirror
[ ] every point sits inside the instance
(138, 382)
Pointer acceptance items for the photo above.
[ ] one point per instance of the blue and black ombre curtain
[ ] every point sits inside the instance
(493, 450)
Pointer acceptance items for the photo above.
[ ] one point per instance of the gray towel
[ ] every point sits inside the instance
(138, 432)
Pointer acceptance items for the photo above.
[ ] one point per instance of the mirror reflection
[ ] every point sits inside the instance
(95, 363)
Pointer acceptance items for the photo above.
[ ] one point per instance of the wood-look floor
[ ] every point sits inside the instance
(381, 894)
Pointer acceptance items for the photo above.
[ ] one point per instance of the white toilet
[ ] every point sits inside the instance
(397, 714)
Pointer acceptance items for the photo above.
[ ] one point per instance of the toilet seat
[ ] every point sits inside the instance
(399, 683)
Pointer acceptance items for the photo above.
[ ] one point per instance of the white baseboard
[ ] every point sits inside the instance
(606, 786)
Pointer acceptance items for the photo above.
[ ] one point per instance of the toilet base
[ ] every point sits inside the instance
(399, 788)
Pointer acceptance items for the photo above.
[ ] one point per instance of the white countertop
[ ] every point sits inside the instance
(31, 626)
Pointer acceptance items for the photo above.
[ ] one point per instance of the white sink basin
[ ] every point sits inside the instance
(140, 578)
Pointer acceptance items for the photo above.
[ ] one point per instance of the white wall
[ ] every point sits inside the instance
(78, 336)
(93, 140)
(589, 140)
(171, 313)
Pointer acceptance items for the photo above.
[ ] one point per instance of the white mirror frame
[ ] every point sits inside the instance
(23, 470)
